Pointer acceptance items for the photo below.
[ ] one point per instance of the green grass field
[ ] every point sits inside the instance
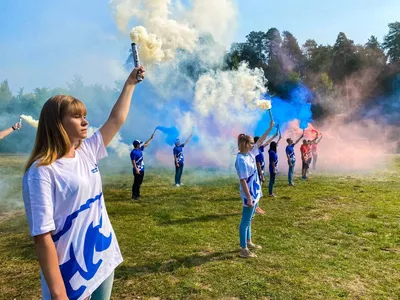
(335, 236)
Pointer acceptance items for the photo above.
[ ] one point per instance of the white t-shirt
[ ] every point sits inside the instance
(66, 198)
(246, 168)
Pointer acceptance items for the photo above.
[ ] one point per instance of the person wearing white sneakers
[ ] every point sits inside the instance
(250, 187)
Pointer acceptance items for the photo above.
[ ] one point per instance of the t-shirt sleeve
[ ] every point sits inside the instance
(174, 151)
(141, 148)
(94, 146)
(258, 158)
(242, 169)
(255, 150)
(38, 196)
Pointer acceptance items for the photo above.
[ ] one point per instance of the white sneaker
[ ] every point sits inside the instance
(250, 245)
(246, 253)
(177, 185)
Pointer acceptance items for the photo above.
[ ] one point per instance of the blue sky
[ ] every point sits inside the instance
(46, 42)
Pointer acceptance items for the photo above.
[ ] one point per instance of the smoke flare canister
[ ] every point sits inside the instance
(270, 114)
(136, 61)
(20, 121)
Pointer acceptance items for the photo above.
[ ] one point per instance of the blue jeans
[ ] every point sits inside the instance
(290, 174)
(178, 173)
(103, 292)
(245, 225)
(271, 183)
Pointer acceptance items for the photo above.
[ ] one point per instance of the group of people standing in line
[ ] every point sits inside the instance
(250, 166)
(64, 201)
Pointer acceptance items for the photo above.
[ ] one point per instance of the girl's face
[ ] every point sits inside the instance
(249, 146)
(76, 126)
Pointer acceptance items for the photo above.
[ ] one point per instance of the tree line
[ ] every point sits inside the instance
(344, 78)
(333, 72)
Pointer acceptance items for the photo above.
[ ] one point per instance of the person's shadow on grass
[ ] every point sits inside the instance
(124, 272)
(204, 218)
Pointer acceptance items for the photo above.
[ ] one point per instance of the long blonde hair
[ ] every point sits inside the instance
(52, 141)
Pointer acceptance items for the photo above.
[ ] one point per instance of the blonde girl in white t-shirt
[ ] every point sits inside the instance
(62, 191)
(250, 187)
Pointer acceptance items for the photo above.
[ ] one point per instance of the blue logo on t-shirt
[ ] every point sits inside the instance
(178, 152)
(137, 156)
(93, 241)
(254, 186)
(290, 153)
(95, 170)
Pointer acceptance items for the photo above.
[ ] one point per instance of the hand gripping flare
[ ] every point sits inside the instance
(136, 61)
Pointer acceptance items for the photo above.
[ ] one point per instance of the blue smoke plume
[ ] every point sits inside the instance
(171, 133)
(298, 106)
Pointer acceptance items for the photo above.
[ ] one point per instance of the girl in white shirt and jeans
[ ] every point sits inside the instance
(250, 187)
(62, 191)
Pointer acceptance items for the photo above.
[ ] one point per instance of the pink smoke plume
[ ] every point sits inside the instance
(354, 146)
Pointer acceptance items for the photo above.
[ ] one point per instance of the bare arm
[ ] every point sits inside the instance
(135, 166)
(260, 174)
(289, 160)
(279, 139)
(8, 131)
(265, 134)
(148, 141)
(48, 261)
(314, 141)
(303, 155)
(187, 140)
(319, 139)
(298, 140)
(176, 161)
(120, 110)
(273, 167)
(246, 192)
(270, 140)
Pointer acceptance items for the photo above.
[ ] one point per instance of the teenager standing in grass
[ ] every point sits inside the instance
(314, 148)
(291, 157)
(8, 131)
(63, 196)
(179, 159)
(304, 159)
(138, 166)
(273, 165)
(250, 187)
(260, 161)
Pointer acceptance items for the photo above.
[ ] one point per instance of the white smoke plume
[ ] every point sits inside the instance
(30, 120)
(230, 96)
(264, 104)
(166, 26)
(223, 104)
(162, 35)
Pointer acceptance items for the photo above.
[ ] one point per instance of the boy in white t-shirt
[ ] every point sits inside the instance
(250, 187)
(62, 190)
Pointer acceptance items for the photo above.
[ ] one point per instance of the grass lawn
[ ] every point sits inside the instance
(334, 236)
